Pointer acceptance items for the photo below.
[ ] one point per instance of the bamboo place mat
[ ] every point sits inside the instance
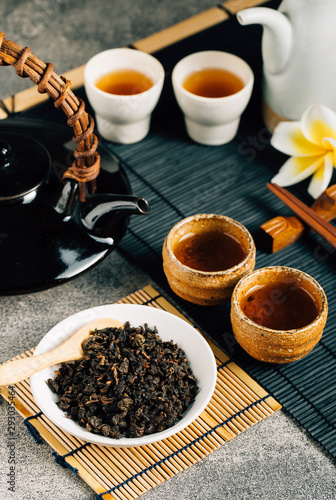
(238, 403)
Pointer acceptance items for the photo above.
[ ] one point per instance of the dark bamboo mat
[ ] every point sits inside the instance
(237, 404)
(180, 178)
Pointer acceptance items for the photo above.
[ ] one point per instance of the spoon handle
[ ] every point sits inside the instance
(20, 369)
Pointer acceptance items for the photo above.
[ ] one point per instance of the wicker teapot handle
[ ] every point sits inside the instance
(85, 167)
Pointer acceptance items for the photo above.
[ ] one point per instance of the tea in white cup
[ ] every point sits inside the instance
(124, 82)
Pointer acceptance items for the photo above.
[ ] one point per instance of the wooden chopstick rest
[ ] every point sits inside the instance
(306, 214)
(281, 232)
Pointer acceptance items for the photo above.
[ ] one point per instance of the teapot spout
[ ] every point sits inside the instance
(102, 214)
(277, 36)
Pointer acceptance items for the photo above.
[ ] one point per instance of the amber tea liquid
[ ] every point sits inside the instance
(209, 251)
(124, 82)
(280, 306)
(213, 82)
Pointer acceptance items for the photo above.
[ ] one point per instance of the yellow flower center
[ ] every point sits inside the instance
(319, 131)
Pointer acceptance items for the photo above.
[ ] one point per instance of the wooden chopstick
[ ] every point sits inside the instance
(306, 214)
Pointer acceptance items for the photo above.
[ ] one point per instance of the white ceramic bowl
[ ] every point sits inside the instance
(170, 327)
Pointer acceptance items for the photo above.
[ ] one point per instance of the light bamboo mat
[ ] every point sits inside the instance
(238, 403)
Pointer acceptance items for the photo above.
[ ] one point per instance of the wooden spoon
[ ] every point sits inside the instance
(15, 371)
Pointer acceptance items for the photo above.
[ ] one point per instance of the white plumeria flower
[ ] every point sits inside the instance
(311, 143)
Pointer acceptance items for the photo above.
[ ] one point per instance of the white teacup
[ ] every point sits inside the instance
(123, 118)
(212, 120)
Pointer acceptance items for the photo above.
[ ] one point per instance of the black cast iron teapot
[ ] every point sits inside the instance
(58, 217)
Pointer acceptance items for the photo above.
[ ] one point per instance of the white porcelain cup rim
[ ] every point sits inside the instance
(210, 53)
(91, 80)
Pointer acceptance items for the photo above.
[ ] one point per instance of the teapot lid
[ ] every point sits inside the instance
(24, 165)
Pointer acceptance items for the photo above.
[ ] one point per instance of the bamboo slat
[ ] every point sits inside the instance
(181, 30)
(126, 473)
(234, 6)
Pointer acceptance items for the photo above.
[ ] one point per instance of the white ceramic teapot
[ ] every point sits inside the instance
(299, 54)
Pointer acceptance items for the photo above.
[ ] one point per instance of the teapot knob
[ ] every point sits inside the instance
(5, 153)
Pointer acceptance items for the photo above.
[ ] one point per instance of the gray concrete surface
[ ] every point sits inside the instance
(275, 459)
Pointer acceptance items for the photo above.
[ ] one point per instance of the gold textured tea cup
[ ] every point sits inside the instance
(206, 287)
(272, 345)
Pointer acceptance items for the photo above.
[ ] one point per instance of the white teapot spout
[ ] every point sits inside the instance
(277, 36)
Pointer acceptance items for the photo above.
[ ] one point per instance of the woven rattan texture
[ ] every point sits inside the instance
(125, 473)
(85, 168)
